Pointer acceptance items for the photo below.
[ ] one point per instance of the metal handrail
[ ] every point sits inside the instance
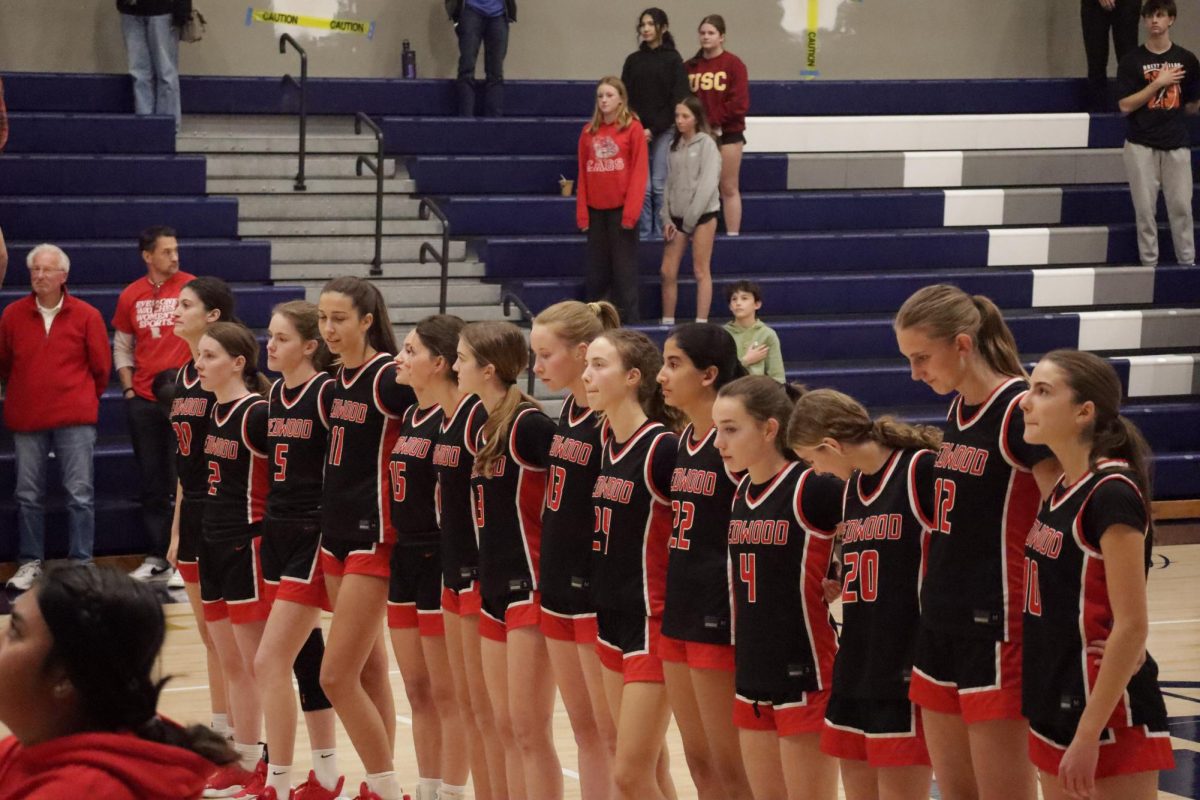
(376, 167)
(302, 85)
(427, 209)
(507, 302)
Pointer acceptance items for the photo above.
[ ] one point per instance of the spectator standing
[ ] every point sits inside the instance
(1099, 17)
(151, 32)
(690, 207)
(3, 257)
(1159, 83)
(3, 124)
(758, 345)
(610, 195)
(481, 22)
(55, 364)
(143, 346)
(719, 79)
(656, 80)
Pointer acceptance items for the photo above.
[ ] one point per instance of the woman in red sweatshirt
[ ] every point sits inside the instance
(719, 79)
(79, 696)
(610, 190)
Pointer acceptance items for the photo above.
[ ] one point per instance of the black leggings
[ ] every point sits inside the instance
(612, 271)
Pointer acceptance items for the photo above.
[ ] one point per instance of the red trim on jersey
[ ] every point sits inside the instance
(183, 375)
(956, 407)
(512, 441)
(246, 431)
(387, 412)
(359, 370)
(303, 390)
(647, 426)
(899, 749)
(1009, 456)
(690, 431)
(750, 501)
(322, 413)
(1022, 501)
(889, 467)
(259, 481)
(571, 408)
(388, 434)
(648, 471)
(655, 555)
(814, 566)
(531, 502)
(786, 719)
(914, 493)
(418, 421)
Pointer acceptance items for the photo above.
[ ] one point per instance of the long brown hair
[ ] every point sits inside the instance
(945, 311)
(367, 299)
(765, 398)
(579, 323)
(637, 351)
(238, 340)
(718, 22)
(702, 127)
(439, 334)
(828, 413)
(303, 317)
(625, 115)
(502, 345)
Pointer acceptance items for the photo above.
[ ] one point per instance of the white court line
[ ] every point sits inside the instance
(1173, 621)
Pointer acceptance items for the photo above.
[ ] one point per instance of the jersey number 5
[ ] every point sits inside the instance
(558, 481)
(685, 516)
(944, 491)
(280, 463)
(214, 477)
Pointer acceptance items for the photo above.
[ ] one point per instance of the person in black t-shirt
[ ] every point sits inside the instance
(1159, 83)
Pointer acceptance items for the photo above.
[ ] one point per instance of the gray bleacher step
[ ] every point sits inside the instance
(336, 227)
(242, 165)
(402, 292)
(338, 250)
(349, 185)
(301, 205)
(235, 143)
(290, 271)
(410, 315)
(269, 124)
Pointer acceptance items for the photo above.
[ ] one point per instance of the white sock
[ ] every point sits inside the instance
(279, 778)
(220, 724)
(668, 320)
(702, 319)
(427, 788)
(249, 754)
(731, 233)
(448, 792)
(325, 767)
(385, 784)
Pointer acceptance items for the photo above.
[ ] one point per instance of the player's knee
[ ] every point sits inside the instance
(629, 775)
(419, 693)
(307, 668)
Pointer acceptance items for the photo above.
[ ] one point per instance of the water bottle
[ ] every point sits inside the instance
(408, 61)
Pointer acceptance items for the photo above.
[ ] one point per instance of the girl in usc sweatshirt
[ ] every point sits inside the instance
(78, 696)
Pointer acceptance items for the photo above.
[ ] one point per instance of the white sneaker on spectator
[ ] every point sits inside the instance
(176, 580)
(152, 571)
(26, 574)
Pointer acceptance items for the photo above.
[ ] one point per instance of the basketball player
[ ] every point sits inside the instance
(1098, 728)
(781, 531)
(356, 532)
(987, 486)
(508, 488)
(870, 724)
(559, 340)
(697, 634)
(632, 523)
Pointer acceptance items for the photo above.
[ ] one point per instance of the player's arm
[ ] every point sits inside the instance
(1165, 78)
(173, 548)
(3, 257)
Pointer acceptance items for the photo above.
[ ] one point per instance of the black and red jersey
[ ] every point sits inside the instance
(884, 531)
(574, 463)
(191, 409)
(235, 453)
(508, 504)
(297, 435)
(414, 477)
(364, 413)
(781, 543)
(454, 459)
(632, 521)
(985, 499)
(699, 602)
(1067, 604)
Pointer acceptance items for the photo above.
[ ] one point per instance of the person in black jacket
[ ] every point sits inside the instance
(481, 22)
(151, 31)
(656, 80)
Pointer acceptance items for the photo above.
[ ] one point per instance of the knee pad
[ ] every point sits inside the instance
(307, 669)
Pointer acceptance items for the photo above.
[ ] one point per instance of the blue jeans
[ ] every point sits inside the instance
(650, 222)
(492, 32)
(152, 45)
(72, 448)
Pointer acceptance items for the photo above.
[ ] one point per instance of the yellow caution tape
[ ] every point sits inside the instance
(814, 22)
(357, 27)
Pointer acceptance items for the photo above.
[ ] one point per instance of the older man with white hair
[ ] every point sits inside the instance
(54, 365)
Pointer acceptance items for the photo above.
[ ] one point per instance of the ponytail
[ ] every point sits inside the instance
(367, 299)
(501, 345)
(636, 351)
(237, 340)
(827, 413)
(995, 341)
(945, 311)
(304, 318)
(764, 398)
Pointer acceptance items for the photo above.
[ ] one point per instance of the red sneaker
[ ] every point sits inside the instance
(365, 793)
(257, 785)
(312, 789)
(231, 779)
(268, 793)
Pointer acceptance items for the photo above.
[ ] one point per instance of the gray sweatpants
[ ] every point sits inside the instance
(1150, 169)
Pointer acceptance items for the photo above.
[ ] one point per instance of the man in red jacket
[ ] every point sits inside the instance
(54, 363)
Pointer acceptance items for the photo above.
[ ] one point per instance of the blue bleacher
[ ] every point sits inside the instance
(67, 218)
(102, 175)
(119, 262)
(89, 133)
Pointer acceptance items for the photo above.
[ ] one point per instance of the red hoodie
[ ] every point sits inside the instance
(100, 766)
(723, 88)
(612, 171)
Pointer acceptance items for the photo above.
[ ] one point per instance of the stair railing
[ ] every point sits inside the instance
(508, 301)
(302, 85)
(427, 209)
(376, 166)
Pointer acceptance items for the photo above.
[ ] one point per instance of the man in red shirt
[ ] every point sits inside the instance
(143, 346)
(54, 363)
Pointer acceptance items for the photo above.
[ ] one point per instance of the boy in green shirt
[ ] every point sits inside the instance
(758, 345)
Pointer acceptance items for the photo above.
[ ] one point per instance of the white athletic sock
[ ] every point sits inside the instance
(325, 767)
(668, 320)
(448, 792)
(702, 320)
(279, 778)
(732, 233)
(385, 784)
(248, 754)
(427, 788)
(220, 724)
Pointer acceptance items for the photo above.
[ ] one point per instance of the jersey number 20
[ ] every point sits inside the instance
(863, 568)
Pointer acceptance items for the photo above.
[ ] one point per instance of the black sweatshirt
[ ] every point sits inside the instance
(656, 81)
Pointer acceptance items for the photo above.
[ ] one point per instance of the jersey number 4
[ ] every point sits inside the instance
(944, 492)
(746, 573)
(685, 517)
(862, 576)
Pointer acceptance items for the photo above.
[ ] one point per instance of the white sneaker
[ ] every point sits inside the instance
(27, 573)
(152, 572)
(176, 580)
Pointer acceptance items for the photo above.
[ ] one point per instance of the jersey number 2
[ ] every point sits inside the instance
(214, 477)
(862, 567)
(603, 528)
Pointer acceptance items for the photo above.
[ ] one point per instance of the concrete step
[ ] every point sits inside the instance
(341, 250)
(407, 316)
(266, 143)
(350, 185)
(337, 227)
(301, 205)
(263, 124)
(402, 293)
(247, 165)
(291, 271)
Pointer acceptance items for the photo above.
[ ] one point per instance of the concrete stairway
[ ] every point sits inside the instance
(327, 230)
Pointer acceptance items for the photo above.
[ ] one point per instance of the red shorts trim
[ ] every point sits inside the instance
(999, 700)
(214, 610)
(697, 655)
(189, 571)
(405, 616)
(518, 613)
(311, 594)
(787, 719)
(374, 560)
(577, 628)
(641, 665)
(1123, 751)
(877, 749)
(464, 603)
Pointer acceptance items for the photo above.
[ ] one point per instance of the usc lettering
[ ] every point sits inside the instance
(708, 81)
